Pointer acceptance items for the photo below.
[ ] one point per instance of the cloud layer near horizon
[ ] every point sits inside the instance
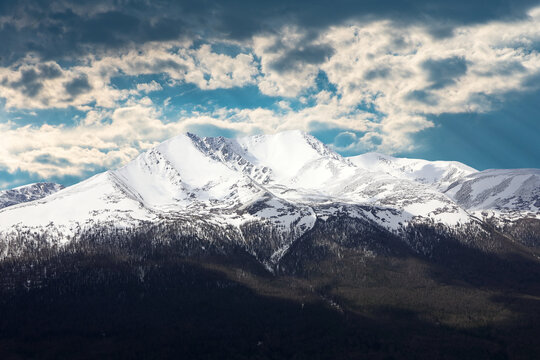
(373, 75)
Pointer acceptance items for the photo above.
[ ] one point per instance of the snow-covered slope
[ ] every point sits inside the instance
(284, 182)
(508, 194)
(440, 174)
(96, 200)
(27, 193)
(500, 194)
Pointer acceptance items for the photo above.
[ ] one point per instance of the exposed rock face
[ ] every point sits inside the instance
(27, 193)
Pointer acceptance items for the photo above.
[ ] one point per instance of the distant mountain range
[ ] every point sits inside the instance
(284, 182)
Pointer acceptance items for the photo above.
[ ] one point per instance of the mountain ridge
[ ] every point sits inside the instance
(283, 183)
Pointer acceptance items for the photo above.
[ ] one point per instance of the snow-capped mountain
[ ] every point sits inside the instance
(282, 183)
(440, 174)
(27, 193)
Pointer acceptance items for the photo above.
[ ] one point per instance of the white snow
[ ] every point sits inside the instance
(285, 153)
(195, 168)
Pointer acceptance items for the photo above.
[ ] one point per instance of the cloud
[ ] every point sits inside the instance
(103, 139)
(28, 83)
(289, 66)
(377, 72)
(444, 72)
(381, 84)
(50, 70)
(78, 85)
(302, 55)
(49, 159)
(61, 29)
(149, 87)
(326, 109)
(405, 76)
(32, 84)
(423, 96)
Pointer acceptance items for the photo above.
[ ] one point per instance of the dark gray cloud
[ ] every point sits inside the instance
(444, 72)
(310, 54)
(77, 86)
(380, 72)
(160, 65)
(29, 83)
(60, 29)
(533, 82)
(423, 96)
(52, 160)
(506, 68)
(49, 71)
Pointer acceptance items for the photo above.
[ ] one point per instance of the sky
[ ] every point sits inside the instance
(85, 86)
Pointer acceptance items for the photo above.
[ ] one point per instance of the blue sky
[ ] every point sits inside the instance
(86, 86)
